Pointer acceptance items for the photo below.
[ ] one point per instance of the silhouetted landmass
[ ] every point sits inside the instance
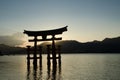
(108, 45)
(8, 50)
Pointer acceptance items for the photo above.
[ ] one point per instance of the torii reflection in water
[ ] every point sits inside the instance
(54, 73)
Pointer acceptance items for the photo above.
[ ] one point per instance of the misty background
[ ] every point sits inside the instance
(16, 39)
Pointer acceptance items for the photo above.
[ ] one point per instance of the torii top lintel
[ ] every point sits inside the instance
(47, 32)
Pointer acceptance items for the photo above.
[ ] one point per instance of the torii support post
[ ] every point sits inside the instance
(29, 50)
(40, 56)
(48, 56)
(44, 35)
(35, 51)
(54, 51)
(56, 56)
(28, 56)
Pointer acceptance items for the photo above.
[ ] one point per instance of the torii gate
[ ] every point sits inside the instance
(44, 35)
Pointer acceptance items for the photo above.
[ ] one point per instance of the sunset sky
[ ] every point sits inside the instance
(87, 20)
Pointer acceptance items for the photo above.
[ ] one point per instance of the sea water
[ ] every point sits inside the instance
(73, 67)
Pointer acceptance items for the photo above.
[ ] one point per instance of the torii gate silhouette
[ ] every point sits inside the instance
(53, 49)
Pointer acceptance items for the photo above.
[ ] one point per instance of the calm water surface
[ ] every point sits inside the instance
(74, 67)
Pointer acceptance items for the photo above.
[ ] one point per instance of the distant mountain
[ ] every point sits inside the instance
(108, 45)
(5, 49)
(67, 46)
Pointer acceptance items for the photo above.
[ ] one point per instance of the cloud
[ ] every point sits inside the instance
(13, 40)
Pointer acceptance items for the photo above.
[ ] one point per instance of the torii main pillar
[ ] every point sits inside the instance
(44, 35)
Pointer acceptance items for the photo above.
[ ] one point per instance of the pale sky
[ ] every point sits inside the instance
(87, 20)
